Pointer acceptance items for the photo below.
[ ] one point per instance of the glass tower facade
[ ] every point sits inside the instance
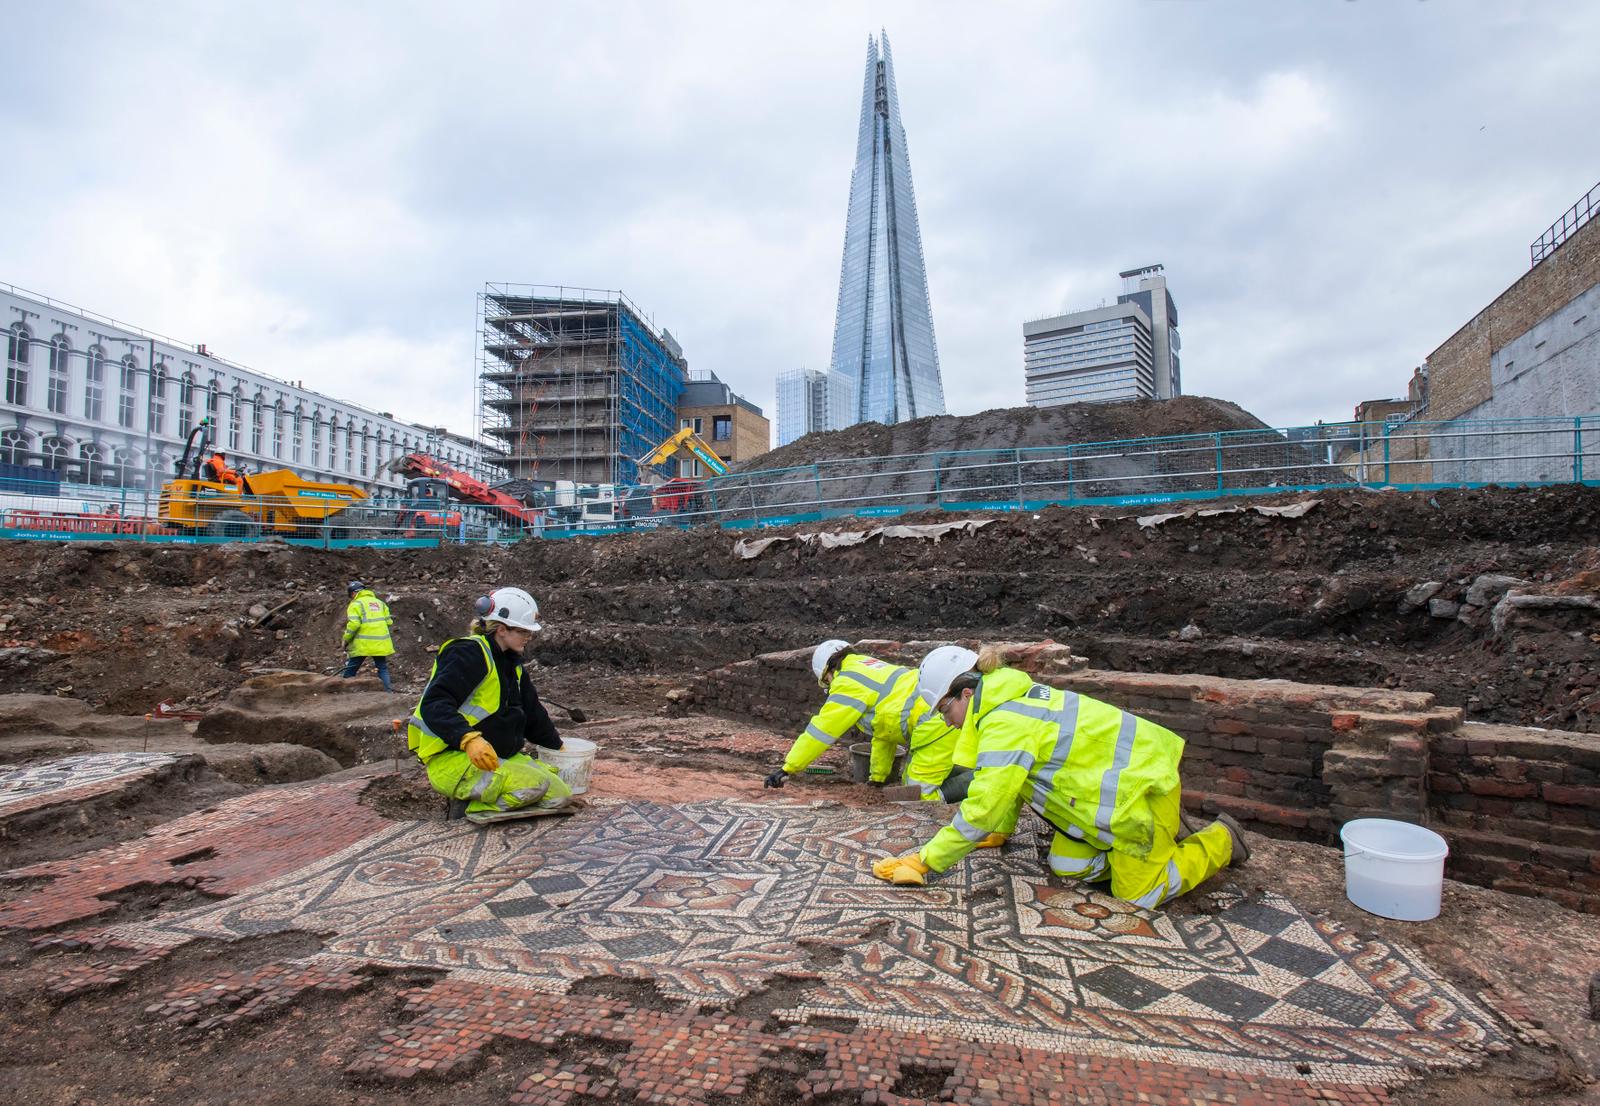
(883, 332)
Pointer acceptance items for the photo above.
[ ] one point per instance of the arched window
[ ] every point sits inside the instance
(298, 433)
(235, 416)
(55, 451)
(126, 466)
(316, 436)
(333, 443)
(277, 429)
(94, 384)
(128, 384)
(185, 404)
(95, 469)
(350, 446)
(158, 399)
(14, 446)
(18, 341)
(213, 401)
(56, 396)
(366, 446)
(258, 417)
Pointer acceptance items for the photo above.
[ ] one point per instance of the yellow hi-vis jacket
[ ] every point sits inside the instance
(366, 626)
(484, 701)
(1084, 766)
(879, 701)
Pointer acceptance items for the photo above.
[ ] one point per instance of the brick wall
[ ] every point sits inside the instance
(1458, 372)
(1520, 808)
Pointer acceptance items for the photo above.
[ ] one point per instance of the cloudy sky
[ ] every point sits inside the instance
(319, 191)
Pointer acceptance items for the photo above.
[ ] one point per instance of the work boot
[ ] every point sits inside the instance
(1241, 851)
(455, 810)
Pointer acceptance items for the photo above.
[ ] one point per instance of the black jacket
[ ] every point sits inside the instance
(521, 716)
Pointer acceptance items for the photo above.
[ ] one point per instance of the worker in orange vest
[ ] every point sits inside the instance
(217, 469)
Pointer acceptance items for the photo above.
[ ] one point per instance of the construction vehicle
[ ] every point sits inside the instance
(462, 486)
(277, 501)
(426, 509)
(681, 495)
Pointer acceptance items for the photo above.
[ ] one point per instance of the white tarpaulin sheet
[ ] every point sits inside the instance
(748, 548)
(1292, 510)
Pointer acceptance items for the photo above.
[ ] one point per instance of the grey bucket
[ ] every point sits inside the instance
(861, 762)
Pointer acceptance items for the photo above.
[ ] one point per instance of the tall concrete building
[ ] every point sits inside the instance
(883, 332)
(810, 400)
(1128, 350)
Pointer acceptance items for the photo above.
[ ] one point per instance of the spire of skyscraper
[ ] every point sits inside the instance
(883, 332)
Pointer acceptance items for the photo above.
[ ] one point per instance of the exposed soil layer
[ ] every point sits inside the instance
(1330, 597)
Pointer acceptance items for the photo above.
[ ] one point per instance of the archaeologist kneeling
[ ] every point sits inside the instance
(476, 713)
(1106, 780)
(879, 701)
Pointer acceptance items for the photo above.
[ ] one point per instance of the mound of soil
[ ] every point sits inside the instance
(1013, 428)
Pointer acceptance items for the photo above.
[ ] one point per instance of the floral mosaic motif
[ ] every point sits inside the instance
(36, 783)
(712, 901)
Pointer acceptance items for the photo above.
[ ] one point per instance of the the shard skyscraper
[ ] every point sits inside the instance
(883, 332)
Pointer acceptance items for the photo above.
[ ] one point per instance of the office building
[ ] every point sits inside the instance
(1127, 350)
(813, 400)
(97, 401)
(883, 331)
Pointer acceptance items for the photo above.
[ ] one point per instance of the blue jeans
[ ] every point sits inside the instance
(352, 665)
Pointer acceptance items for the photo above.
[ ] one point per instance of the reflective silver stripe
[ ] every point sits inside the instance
(474, 714)
(419, 723)
(849, 701)
(381, 634)
(1004, 758)
(967, 829)
(1066, 720)
(1108, 782)
(1161, 891)
(530, 794)
(822, 735)
(484, 780)
(880, 686)
(929, 790)
(1084, 867)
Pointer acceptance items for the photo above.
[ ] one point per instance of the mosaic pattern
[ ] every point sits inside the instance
(713, 901)
(72, 779)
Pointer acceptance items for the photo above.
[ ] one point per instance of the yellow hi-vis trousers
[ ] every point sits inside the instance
(519, 782)
(1173, 867)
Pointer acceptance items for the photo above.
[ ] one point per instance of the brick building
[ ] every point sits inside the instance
(733, 426)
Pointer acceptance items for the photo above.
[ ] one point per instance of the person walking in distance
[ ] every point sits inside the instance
(366, 632)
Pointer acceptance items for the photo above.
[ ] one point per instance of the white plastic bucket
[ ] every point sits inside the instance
(572, 762)
(1393, 869)
(861, 762)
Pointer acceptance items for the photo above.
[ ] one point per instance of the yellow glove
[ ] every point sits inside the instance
(480, 752)
(902, 871)
(993, 841)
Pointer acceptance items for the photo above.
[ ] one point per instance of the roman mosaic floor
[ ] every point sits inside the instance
(993, 974)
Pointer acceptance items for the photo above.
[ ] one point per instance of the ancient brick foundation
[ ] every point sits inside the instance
(1520, 807)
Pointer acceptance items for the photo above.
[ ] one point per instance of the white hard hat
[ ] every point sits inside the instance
(822, 654)
(939, 670)
(511, 606)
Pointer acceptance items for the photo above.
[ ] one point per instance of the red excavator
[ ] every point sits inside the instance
(417, 467)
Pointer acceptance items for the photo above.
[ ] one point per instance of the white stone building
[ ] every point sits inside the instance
(101, 402)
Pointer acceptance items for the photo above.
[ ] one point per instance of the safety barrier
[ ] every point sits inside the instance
(1136, 472)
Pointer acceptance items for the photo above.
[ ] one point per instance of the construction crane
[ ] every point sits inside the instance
(416, 467)
(692, 443)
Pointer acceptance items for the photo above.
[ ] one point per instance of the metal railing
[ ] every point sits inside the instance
(1137, 472)
(1566, 226)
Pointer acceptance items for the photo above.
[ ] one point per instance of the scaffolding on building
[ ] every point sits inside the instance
(574, 383)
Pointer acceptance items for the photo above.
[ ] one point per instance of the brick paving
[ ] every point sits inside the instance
(993, 984)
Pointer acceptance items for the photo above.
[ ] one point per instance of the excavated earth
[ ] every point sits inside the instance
(1399, 590)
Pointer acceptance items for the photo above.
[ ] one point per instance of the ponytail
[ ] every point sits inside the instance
(990, 658)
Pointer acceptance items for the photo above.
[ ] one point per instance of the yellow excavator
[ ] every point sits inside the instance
(232, 504)
(693, 444)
